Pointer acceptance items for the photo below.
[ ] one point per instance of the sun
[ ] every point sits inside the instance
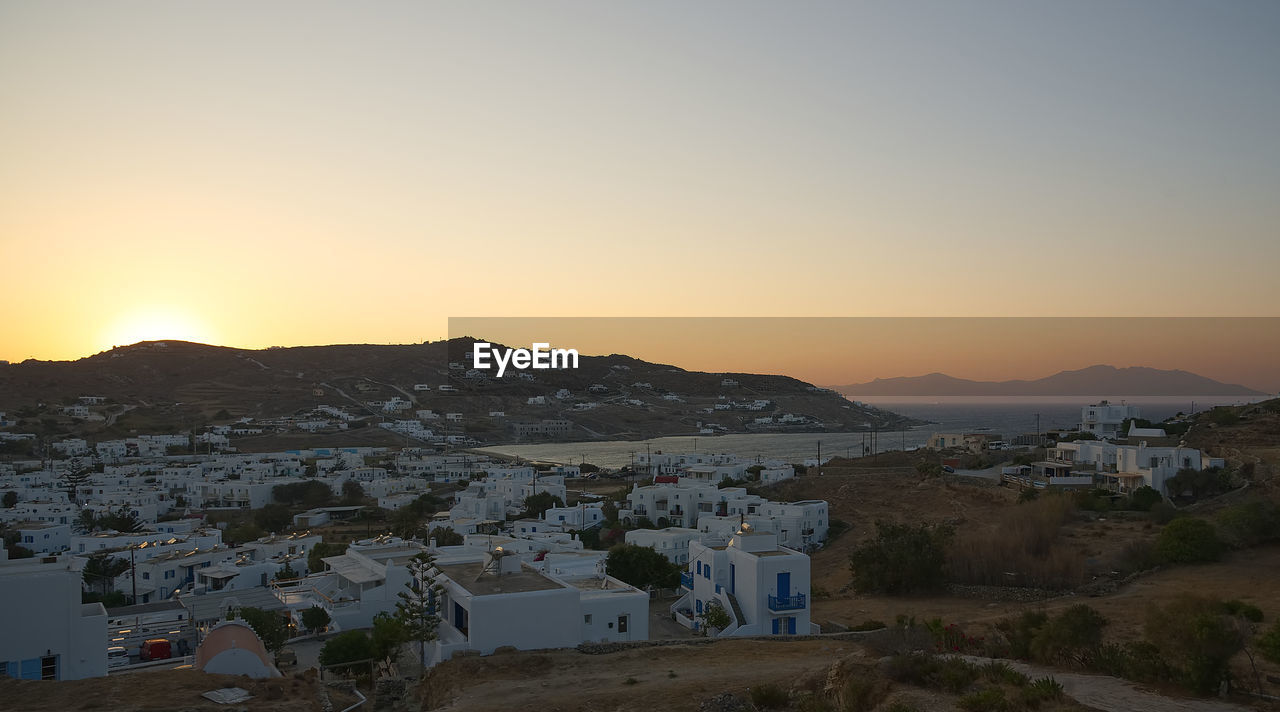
(157, 323)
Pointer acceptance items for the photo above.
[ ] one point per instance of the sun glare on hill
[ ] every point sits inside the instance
(156, 324)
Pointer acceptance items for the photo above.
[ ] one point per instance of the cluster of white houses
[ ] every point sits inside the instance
(516, 580)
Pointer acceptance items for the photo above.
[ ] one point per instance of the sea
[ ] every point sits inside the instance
(1006, 416)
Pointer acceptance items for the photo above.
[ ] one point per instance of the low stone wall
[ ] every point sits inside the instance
(617, 647)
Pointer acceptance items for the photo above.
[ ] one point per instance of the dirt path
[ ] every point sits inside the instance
(1110, 694)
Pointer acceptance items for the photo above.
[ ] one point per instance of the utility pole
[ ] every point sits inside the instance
(133, 574)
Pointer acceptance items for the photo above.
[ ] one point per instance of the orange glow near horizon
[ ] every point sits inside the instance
(300, 173)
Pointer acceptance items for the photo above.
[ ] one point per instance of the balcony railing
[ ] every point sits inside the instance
(686, 580)
(787, 603)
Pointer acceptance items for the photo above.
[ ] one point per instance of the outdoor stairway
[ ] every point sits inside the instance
(737, 609)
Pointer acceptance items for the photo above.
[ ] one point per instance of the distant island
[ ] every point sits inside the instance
(1092, 381)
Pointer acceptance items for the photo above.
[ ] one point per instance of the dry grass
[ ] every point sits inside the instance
(1022, 548)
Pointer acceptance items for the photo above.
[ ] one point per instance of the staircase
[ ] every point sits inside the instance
(738, 618)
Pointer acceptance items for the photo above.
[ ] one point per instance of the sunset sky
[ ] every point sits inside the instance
(287, 173)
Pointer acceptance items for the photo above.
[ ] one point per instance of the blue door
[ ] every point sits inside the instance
(784, 584)
(775, 626)
(733, 578)
(791, 625)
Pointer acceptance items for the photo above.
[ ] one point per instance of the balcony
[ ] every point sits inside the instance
(787, 603)
(686, 580)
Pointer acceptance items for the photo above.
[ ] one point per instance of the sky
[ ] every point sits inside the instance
(286, 173)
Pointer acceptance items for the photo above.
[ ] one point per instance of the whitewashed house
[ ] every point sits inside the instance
(497, 601)
(48, 633)
(764, 587)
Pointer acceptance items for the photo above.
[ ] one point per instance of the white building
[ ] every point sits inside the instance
(763, 587)
(44, 537)
(357, 585)
(1104, 419)
(672, 542)
(48, 633)
(497, 601)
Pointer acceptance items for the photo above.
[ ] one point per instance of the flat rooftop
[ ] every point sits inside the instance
(491, 582)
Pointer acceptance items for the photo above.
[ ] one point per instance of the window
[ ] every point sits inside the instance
(699, 568)
(587, 619)
(706, 573)
(146, 575)
(169, 574)
(698, 606)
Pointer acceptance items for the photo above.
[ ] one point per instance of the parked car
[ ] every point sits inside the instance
(117, 657)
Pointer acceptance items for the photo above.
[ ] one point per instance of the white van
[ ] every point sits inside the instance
(117, 657)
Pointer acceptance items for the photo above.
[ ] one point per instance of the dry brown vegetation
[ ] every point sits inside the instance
(163, 691)
(1022, 547)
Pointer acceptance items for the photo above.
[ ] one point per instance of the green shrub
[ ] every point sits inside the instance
(1144, 498)
(956, 675)
(1000, 672)
(868, 624)
(949, 674)
(1069, 636)
(1269, 644)
(1044, 689)
(1197, 637)
(1247, 611)
(988, 699)
(1249, 523)
(1020, 631)
(1140, 661)
(901, 559)
(862, 694)
(1187, 541)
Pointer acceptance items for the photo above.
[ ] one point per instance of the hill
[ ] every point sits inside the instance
(1100, 380)
(182, 385)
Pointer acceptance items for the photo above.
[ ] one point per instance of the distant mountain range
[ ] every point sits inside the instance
(159, 386)
(1098, 380)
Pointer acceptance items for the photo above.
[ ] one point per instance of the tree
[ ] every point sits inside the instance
(273, 518)
(405, 523)
(445, 536)
(901, 559)
(1196, 636)
(286, 573)
(417, 611)
(387, 636)
(1187, 541)
(10, 499)
(352, 492)
(309, 493)
(1069, 636)
(1144, 498)
(314, 619)
(268, 625)
(714, 616)
(641, 566)
(101, 570)
(322, 550)
(349, 647)
(535, 505)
